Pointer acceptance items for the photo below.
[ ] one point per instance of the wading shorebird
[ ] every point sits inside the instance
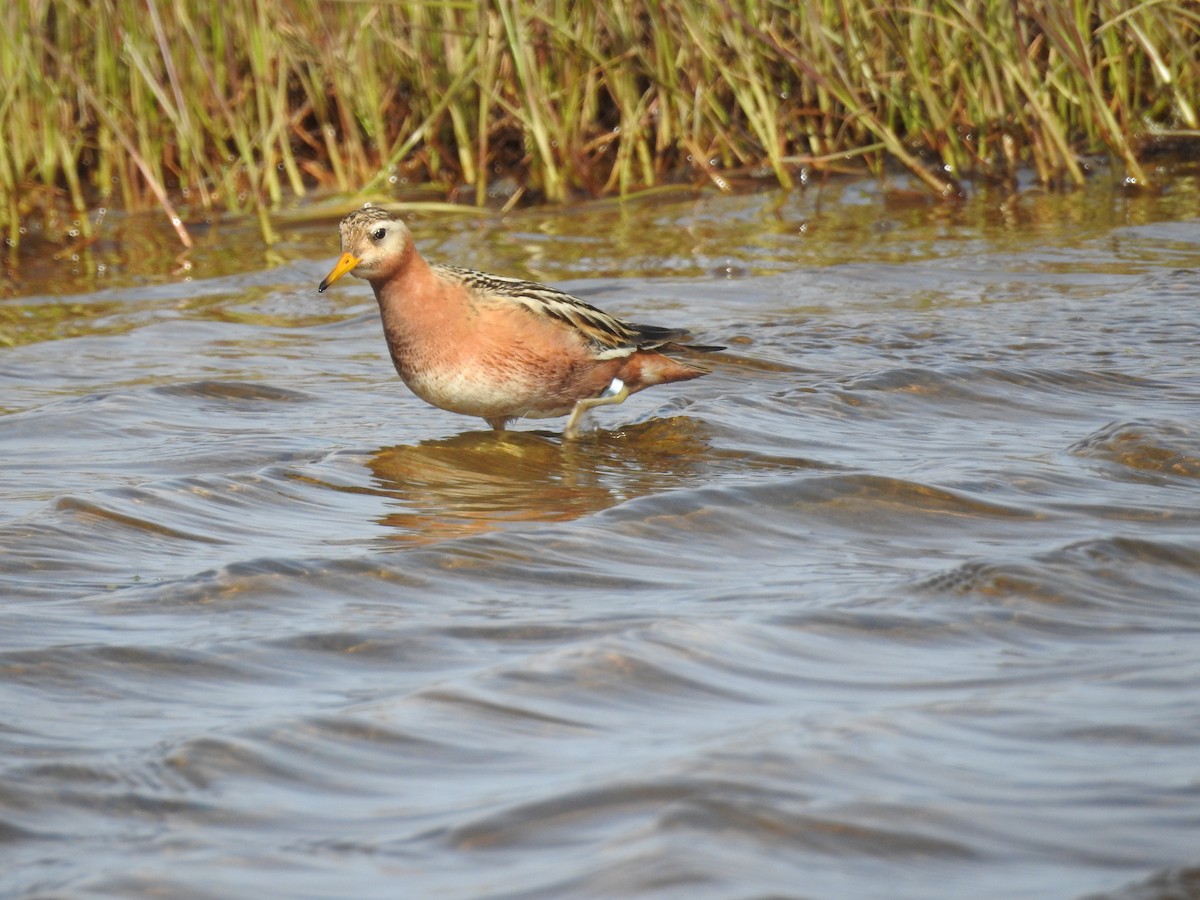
(501, 348)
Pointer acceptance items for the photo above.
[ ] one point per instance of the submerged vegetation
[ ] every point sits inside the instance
(138, 102)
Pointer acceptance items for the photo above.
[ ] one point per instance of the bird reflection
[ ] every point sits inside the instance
(477, 482)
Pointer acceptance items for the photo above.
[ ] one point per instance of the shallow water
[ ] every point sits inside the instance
(903, 600)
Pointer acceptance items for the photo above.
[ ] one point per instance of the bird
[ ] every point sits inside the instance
(501, 348)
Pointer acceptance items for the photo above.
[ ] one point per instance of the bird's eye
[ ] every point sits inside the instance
(379, 234)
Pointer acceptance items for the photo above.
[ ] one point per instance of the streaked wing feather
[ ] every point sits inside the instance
(610, 335)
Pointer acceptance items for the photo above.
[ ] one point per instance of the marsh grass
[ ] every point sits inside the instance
(136, 102)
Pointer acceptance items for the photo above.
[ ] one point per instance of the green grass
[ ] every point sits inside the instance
(141, 102)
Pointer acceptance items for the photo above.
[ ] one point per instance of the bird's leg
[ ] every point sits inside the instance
(497, 422)
(614, 393)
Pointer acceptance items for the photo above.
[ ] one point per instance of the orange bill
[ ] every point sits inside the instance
(347, 262)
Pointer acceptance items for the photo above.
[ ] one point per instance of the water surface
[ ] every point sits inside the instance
(902, 600)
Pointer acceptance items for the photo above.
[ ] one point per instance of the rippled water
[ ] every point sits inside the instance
(903, 600)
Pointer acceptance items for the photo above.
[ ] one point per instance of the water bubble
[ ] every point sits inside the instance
(392, 179)
(74, 232)
(176, 221)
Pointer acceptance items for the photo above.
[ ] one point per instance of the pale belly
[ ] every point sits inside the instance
(492, 394)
